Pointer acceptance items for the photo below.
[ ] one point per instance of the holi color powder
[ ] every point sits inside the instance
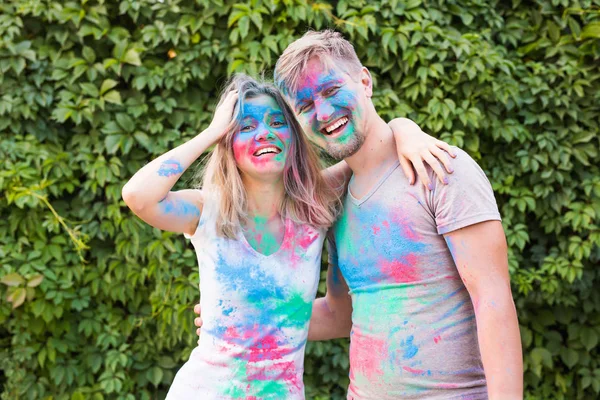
(169, 168)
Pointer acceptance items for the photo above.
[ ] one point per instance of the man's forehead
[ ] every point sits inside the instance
(314, 80)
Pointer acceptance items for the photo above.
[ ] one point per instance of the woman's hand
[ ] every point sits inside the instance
(223, 115)
(415, 147)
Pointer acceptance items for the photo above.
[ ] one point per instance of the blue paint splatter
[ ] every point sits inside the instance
(409, 348)
(169, 168)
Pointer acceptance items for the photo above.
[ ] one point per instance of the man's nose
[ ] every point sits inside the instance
(324, 110)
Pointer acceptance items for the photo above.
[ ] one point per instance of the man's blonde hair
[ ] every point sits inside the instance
(308, 198)
(328, 46)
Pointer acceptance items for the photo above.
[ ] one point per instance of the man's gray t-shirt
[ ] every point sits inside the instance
(414, 333)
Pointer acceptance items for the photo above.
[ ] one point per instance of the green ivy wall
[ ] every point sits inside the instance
(97, 305)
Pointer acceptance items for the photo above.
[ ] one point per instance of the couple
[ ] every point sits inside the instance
(417, 276)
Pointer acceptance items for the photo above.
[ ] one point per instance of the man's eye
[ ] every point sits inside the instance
(331, 90)
(304, 107)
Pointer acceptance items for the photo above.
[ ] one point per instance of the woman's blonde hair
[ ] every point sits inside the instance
(307, 200)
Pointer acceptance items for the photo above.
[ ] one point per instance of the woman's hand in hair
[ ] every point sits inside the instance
(223, 115)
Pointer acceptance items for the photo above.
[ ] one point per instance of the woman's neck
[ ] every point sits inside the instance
(264, 198)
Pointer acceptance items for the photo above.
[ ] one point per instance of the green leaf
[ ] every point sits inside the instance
(90, 89)
(18, 297)
(107, 85)
(155, 375)
(112, 143)
(88, 54)
(113, 97)
(589, 337)
(12, 279)
(35, 280)
(132, 57)
(125, 122)
(569, 356)
(591, 31)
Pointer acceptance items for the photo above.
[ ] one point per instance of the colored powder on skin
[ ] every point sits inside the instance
(169, 168)
(258, 118)
(180, 208)
(260, 237)
(340, 101)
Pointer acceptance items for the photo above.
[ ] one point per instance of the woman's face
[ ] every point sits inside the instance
(261, 145)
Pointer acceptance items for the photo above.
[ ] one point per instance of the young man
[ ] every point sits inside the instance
(427, 271)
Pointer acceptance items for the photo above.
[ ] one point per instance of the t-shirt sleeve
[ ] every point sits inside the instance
(468, 198)
(332, 256)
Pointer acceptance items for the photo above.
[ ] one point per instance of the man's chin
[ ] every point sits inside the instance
(342, 151)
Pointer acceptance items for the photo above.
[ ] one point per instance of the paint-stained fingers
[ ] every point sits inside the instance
(418, 165)
(442, 156)
(408, 169)
(446, 147)
(436, 167)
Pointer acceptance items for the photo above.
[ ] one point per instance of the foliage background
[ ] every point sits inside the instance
(90, 90)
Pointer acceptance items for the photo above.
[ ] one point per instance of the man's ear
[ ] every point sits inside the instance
(367, 81)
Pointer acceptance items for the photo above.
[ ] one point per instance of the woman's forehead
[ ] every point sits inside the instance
(259, 106)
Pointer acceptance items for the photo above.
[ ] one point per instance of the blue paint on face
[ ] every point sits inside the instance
(262, 123)
(325, 97)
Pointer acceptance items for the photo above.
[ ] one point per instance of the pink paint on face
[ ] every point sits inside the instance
(331, 107)
(261, 146)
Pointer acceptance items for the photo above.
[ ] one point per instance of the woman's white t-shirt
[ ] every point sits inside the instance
(255, 311)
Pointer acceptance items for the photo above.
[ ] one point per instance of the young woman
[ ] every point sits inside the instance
(258, 226)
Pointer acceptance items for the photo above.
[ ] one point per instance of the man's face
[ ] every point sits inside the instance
(330, 106)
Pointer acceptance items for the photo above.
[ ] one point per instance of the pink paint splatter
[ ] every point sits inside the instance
(401, 271)
(437, 339)
(307, 237)
(366, 356)
(416, 371)
(268, 348)
(376, 230)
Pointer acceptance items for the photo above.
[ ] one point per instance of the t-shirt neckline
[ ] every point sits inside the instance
(371, 192)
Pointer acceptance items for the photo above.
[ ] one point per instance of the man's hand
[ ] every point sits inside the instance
(198, 321)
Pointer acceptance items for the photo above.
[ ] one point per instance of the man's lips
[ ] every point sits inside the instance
(334, 126)
(266, 149)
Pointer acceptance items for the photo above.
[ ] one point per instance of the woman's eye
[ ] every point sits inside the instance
(246, 128)
(277, 124)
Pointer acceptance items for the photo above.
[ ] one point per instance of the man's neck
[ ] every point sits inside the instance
(378, 151)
